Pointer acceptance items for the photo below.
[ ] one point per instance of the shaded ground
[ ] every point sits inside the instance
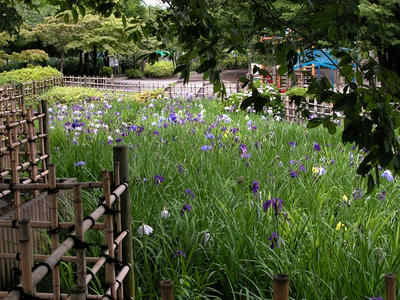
(227, 76)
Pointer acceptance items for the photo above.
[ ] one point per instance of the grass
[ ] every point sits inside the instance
(238, 261)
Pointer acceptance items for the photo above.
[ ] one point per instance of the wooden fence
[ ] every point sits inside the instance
(31, 194)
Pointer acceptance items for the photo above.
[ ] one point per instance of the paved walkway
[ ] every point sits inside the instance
(227, 76)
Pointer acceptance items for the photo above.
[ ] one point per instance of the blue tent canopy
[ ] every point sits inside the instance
(317, 58)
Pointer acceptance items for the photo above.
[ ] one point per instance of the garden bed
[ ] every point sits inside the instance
(234, 198)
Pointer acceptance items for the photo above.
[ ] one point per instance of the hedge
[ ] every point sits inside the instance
(159, 69)
(28, 74)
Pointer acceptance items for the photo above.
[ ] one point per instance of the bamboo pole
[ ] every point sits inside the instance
(80, 252)
(78, 292)
(120, 154)
(41, 257)
(46, 130)
(45, 186)
(167, 291)
(102, 260)
(48, 225)
(120, 278)
(41, 271)
(50, 296)
(109, 236)
(53, 226)
(25, 249)
(281, 287)
(117, 182)
(32, 148)
(390, 280)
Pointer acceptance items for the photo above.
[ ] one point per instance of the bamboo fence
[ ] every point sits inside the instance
(32, 193)
(204, 89)
(116, 270)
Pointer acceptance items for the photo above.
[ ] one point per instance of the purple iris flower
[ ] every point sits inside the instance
(190, 193)
(357, 193)
(377, 298)
(274, 239)
(206, 148)
(317, 147)
(242, 149)
(381, 196)
(158, 179)
(186, 207)
(293, 144)
(275, 203)
(388, 175)
(210, 136)
(302, 168)
(75, 124)
(118, 140)
(179, 253)
(255, 187)
(294, 174)
(80, 163)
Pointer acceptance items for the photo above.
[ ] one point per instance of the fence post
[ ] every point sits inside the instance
(46, 131)
(167, 291)
(281, 287)
(78, 292)
(80, 252)
(34, 89)
(390, 280)
(26, 256)
(120, 155)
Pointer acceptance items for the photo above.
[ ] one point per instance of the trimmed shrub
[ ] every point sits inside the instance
(28, 74)
(134, 73)
(106, 71)
(159, 69)
(73, 95)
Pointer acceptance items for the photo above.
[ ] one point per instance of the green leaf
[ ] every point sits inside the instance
(315, 122)
(66, 18)
(328, 124)
(74, 15)
(371, 183)
(282, 69)
(82, 10)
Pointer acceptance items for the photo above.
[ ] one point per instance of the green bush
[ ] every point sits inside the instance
(194, 65)
(274, 106)
(134, 73)
(73, 95)
(296, 91)
(159, 69)
(28, 74)
(70, 95)
(106, 71)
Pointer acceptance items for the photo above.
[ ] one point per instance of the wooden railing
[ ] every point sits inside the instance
(117, 257)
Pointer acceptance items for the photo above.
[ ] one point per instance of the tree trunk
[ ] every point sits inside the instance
(80, 63)
(62, 62)
(86, 58)
(390, 58)
(106, 59)
(94, 60)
